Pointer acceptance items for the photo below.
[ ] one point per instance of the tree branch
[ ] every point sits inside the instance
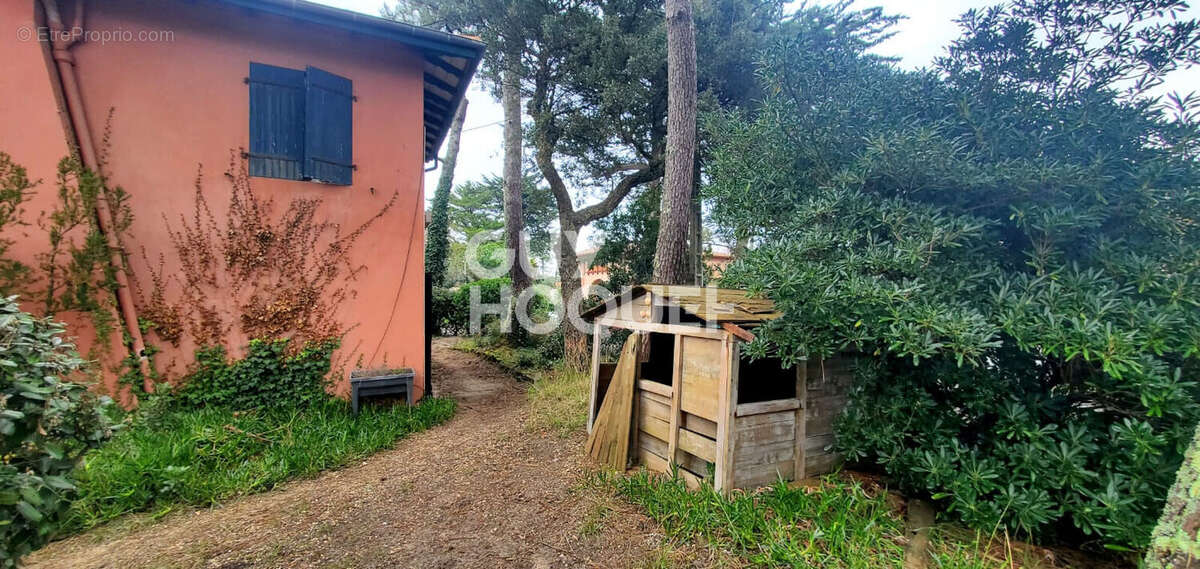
(651, 172)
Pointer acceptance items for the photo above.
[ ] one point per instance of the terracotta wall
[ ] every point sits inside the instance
(180, 104)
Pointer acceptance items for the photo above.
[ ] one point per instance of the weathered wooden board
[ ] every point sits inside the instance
(655, 387)
(655, 426)
(609, 441)
(760, 407)
(658, 448)
(651, 443)
(701, 371)
(700, 425)
(818, 464)
(653, 405)
(766, 433)
(772, 453)
(763, 475)
(817, 444)
(697, 444)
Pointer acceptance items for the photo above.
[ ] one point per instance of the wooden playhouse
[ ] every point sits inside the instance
(681, 393)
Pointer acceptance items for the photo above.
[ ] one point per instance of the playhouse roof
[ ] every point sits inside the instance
(710, 304)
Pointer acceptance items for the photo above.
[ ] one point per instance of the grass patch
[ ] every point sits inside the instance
(837, 524)
(558, 401)
(205, 456)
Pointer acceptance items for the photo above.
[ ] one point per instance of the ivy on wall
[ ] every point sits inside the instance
(272, 276)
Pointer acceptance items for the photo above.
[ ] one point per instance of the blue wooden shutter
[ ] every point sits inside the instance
(276, 122)
(328, 109)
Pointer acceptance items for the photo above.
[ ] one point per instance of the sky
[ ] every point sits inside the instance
(928, 28)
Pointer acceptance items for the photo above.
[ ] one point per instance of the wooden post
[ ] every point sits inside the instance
(726, 414)
(801, 456)
(591, 420)
(676, 395)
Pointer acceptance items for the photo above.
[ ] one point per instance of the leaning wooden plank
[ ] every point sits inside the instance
(608, 443)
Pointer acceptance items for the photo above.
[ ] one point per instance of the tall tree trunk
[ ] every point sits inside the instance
(1174, 543)
(696, 229)
(570, 222)
(670, 260)
(437, 241)
(514, 224)
(575, 344)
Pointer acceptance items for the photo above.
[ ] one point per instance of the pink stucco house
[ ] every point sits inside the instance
(311, 102)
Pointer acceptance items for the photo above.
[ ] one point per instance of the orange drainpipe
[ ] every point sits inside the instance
(61, 44)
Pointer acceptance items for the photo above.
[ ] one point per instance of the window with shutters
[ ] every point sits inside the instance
(300, 124)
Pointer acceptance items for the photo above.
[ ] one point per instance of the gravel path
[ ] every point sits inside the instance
(480, 491)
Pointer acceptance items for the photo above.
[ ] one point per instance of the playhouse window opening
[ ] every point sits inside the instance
(765, 379)
(658, 360)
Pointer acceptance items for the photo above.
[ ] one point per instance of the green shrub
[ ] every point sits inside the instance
(1030, 296)
(450, 318)
(205, 456)
(47, 423)
(268, 377)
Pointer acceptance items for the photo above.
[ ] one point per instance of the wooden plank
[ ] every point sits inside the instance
(653, 462)
(760, 407)
(726, 407)
(701, 372)
(821, 424)
(680, 329)
(764, 474)
(653, 425)
(799, 468)
(651, 443)
(767, 433)
(683, 460)
(818, 464)
(677, 391)
(655, 407)
(751, 421)
(595, 377)
(655, 387)
(609, 441)
(817, 443)
(741, 333)
(693, 481)
(701, 446)
(700, 425)
(779, 451)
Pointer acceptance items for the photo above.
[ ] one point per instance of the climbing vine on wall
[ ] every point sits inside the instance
(280, 276)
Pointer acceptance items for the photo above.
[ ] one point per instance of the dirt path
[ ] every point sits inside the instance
(479, 491)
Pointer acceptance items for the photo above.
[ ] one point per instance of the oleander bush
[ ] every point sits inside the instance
(47, 423)
(1009, 241)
